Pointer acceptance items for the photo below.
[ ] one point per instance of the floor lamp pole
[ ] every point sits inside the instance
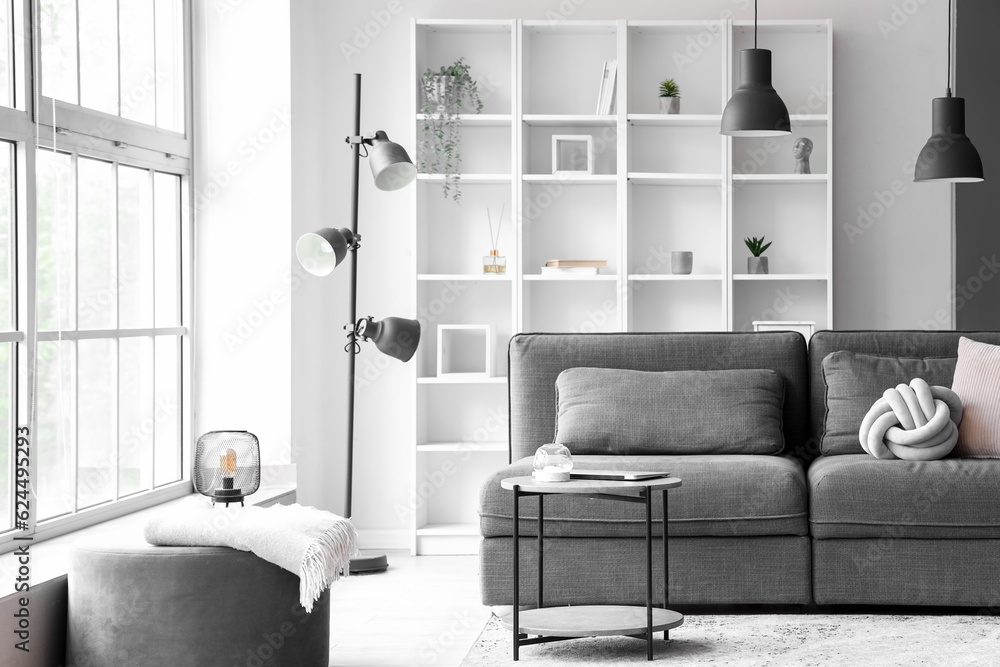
(376, 563)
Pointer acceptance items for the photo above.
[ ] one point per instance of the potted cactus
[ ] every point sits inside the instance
(756, 264)
(670, 96)
(448, 92)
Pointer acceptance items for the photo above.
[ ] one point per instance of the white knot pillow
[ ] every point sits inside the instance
(913, 422)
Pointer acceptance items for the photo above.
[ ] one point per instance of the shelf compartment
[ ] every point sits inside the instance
(799, 65)
(650, 178)
(485, 150)
(461, 379)
(793, 218)
(537, 148)
(470, 277)
(473, 119)
(568, 223)
(463, 447)
(570, 277)
(691, 277)
(677, 306)
(567, 120)
(487, 49)
(452, 413)
(679, 217)
(780, 276)
(483, 179)
(783, 300)
(571, 179)
(664, 51)
(451, 239)
(566, 62)
(772, 156)
(570, 306)
(781, 179)
(680, 119)
(675, 149)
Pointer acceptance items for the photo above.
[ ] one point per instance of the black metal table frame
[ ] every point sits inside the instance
(645, 497)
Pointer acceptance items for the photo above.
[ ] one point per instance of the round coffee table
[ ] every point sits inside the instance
(550, 624)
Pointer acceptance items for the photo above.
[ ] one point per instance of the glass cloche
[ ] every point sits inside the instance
(552, 463)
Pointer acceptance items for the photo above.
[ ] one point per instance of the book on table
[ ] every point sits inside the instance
(576, 263)
(571, 270)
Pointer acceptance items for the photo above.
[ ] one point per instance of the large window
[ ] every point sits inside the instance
(94, 261)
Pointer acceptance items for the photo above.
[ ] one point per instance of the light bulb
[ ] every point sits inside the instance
(227, 464)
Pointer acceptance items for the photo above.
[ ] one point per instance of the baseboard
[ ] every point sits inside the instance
(378, 538)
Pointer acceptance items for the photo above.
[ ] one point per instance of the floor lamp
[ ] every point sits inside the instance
(321, 251)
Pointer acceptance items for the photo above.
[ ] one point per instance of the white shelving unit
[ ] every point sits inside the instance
(660, 183)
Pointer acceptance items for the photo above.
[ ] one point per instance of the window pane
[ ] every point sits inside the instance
(6, 236)
(170, 65)
(138, 61)
(56, 429)
(135, 248)
(98, 430)
(98, 246)
(58, 27)
(6, 450)
(135, 415)
(6, 54)
(167, 222)
(167, 417)
(99, 55)
(56, 274)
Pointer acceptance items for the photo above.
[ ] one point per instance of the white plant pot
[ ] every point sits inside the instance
(670, 105)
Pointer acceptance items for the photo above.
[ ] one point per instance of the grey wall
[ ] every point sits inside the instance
(977, 205)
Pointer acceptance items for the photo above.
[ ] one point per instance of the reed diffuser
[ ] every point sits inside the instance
(494, 263)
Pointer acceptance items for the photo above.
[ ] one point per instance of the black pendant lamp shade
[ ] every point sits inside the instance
(755, 109)
(948, 155)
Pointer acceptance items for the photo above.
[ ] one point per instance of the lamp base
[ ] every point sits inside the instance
(370, 564)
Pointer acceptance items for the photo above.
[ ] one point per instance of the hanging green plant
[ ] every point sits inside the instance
(448, 92)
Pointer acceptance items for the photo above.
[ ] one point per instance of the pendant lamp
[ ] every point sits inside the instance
(948, 155)
(755, 109)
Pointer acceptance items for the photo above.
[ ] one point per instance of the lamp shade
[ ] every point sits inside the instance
(395, 337)
(321, 251)
(948, 155)
(391, 166)
(755, 109)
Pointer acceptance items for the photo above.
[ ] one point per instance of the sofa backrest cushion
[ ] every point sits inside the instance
(626, 412)
(855, 381)
(536, 359)
(924, 344)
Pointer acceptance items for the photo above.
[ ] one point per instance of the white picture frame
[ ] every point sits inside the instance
(459, 340)
(572, 154)
(805, 327)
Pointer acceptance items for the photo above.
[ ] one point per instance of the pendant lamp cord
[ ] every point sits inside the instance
(755, 23)
(949, 46)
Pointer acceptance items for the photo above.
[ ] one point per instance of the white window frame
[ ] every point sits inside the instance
(88, 133)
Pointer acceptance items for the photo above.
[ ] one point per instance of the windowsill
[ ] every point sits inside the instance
(50, 558)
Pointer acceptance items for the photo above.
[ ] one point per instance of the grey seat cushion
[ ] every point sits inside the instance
(856, 495)
(721, 495)
(628, 412)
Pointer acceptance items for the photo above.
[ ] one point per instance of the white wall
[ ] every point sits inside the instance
(242, 221)
(887, 66)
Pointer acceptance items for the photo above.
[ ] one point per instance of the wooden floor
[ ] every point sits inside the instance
(423, 611)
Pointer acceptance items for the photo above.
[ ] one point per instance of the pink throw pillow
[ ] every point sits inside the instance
(977, 383)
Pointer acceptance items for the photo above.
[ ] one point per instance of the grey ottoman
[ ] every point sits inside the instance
(131, 603)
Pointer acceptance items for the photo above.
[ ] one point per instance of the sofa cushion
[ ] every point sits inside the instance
(855, 496)
(977, 383)
(720, 495)
(617, 411)
(853, 382)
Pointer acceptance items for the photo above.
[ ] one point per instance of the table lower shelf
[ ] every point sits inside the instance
(591, 621)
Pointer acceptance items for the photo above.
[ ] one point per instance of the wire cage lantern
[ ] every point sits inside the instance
(227, 466)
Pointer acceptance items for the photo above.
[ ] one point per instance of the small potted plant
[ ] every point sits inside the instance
(670, 96)
(448, 92)
(756, 264)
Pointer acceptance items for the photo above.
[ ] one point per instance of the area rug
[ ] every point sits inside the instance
(776, 639)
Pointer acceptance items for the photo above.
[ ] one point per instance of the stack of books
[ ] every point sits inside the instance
(606, 97)
(589, 267)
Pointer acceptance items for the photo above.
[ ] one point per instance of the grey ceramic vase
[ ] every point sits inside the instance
(670, 105)
(681, 262)
(756, 265)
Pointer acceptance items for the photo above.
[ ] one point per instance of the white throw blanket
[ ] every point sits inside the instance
(311, 543)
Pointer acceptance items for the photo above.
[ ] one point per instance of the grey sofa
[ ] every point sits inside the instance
(791, 528)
